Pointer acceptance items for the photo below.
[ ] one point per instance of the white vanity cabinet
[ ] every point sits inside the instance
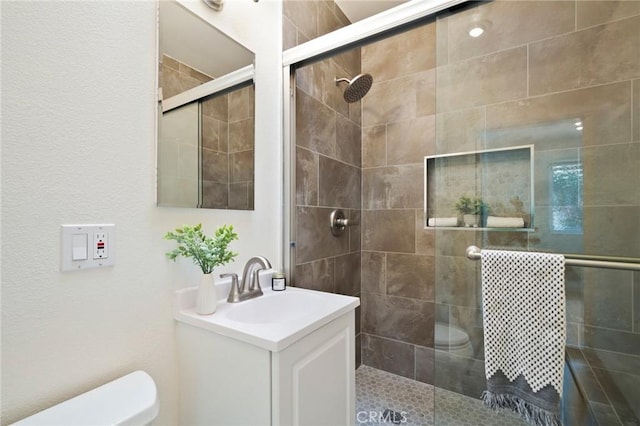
(227, 379)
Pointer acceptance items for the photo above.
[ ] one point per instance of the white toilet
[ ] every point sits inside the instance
(129, 400)
(452, 339)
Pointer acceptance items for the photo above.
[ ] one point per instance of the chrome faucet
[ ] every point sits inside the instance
(241, 292)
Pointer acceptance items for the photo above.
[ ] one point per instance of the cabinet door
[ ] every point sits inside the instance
(223, 381)
(314, 379)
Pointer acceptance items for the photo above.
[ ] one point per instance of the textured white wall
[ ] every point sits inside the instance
(78, 129)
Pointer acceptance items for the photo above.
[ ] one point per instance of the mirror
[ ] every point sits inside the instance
(205, 114)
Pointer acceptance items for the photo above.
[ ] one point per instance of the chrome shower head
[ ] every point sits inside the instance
(358, 87)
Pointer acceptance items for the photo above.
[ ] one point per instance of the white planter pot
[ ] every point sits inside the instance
(472, 220)
(207, 297)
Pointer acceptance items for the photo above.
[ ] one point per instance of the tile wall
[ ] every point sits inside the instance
(227, 135)
(328, 158)
(539, 68)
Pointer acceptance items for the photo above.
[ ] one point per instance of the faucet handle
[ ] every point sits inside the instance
(234, 292)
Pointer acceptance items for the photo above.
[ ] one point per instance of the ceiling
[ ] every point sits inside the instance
(189, 39)
(357, 10)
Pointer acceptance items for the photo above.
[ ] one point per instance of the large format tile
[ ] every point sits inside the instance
(636, 109)
(339, 184)
(457, 281)
(241, 135)
(460, 131)
(410, 275)
(496, 77)
(318, 275)
(612, 230)
(636, 301)
(241, 104)
(426, 93)
(388, 230)
(425, 237)
(425, 364)
(393, 187)
(306, 177)
(608, 298)
(407, 320)
(374, 146)
(388, 355)
(590, 13)
(348, 141)
(347, 274)
(241, 166)
(215, 166)
(327, 20)
(304, 15)
(398, 55)
(315, 125)
(508, 24)
(314, 239)
(408, 142)
(593, 56)
(605, 112)
(613, 361)
(389, 101)
(374, 272)
(611, 340)
(459, 374)
(622, 390)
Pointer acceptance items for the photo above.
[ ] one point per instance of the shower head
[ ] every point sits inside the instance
(358, 87)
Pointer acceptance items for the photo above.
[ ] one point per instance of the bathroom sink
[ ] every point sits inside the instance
(273, 321)
(276, 307)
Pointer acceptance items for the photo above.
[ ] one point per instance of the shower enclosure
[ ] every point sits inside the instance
(530, 109)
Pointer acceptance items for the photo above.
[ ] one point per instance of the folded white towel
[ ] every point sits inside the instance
(443, 221)
(505, 222)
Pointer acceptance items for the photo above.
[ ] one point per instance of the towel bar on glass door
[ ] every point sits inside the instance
(584, 260)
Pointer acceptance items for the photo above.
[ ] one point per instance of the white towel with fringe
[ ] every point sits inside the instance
(523, 301)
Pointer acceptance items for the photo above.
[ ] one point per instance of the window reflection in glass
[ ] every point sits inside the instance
(566, 197)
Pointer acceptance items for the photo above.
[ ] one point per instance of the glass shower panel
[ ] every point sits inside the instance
(570, 89)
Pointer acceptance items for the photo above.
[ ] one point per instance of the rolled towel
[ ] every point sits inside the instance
(443, 221)
(505, 222)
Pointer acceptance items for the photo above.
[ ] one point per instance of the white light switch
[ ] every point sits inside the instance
(79, 247)
(87, 246)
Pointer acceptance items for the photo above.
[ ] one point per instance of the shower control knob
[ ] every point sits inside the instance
(338, 222)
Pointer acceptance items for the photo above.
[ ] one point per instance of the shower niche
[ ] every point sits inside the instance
(488, 189)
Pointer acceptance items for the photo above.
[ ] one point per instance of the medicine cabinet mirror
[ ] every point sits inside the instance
(206, 110)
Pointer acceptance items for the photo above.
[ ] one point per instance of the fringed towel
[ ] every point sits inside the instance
(523, 303)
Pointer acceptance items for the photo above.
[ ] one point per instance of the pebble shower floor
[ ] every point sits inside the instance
(386, 399)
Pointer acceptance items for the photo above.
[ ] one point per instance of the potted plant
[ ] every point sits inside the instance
(207, 252)
(471, 210)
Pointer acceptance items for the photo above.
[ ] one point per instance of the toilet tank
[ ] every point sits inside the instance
(129, 400)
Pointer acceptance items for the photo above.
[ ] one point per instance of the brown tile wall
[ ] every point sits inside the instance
(398, 258)
(540, 67)
(226, 141)
(526, 81)
(227, 150)
(328, 158)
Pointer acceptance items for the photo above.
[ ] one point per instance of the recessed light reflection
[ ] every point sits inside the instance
(476, 31)
(579, 128)
(578, 123)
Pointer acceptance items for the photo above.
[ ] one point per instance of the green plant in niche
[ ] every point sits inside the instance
(207, 252)
(468, 205)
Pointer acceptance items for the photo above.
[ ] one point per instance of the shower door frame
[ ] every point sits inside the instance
(340, 39)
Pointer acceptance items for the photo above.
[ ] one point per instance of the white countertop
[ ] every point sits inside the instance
(273, 334)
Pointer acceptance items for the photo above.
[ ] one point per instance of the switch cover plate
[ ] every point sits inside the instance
(87, 246)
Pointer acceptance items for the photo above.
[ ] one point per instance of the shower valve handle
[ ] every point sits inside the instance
(338, 222)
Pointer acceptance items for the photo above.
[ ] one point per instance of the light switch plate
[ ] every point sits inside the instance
(87, 246)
